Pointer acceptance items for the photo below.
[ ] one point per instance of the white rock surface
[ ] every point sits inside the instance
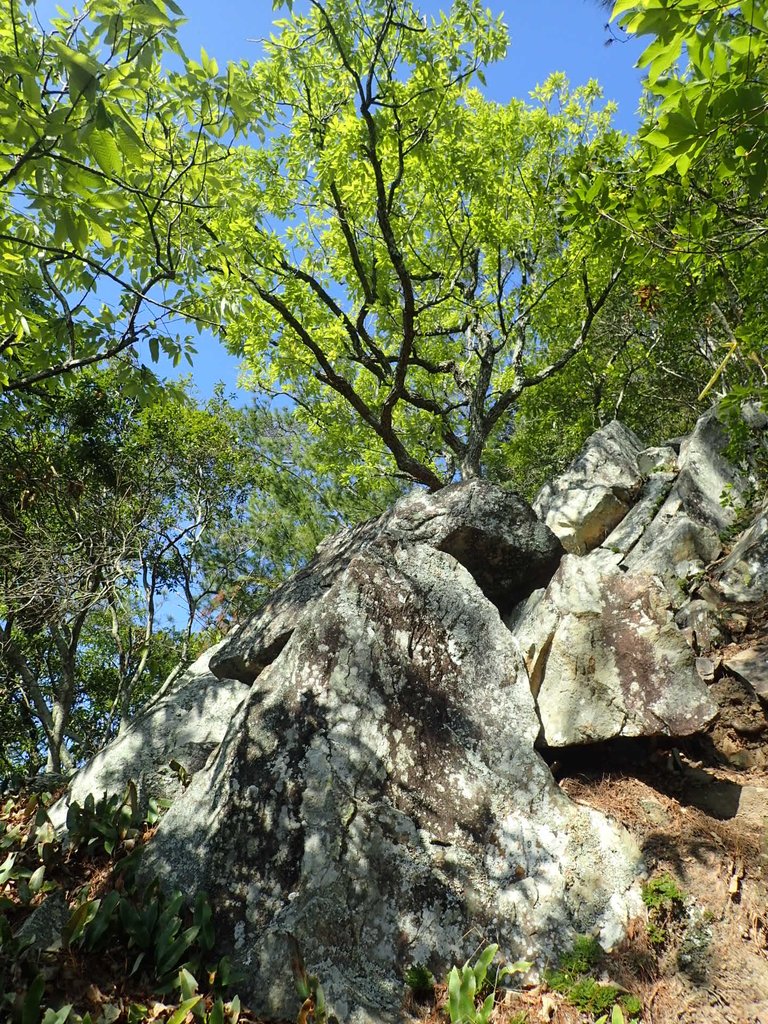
(751, 665)
(707, 477)
(633, 525)
(379, 798)
(743, 575)
(657, 460)
(491, 531)
(685, 535)
(605, 657)
(185, 724)
(584, 504)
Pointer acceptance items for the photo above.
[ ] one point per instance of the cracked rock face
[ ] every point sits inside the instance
(605, 658)
(378, 797)
(743, 575)
(684, 535)
(492, 532)
(594, 494)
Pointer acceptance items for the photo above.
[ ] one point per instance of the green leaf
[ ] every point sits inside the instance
(662, 163)
(742, 45)
(30, 1009)
(78, 920)
(682, 164)
(210, 66)
(97, 927)
(203, 916)
(518, 967)
(454, 994)
(483, 962)
(129, 142)
(187, 984)
(186, 1007)
(169, 956)
(149, 14)
(483, 1015)
(57, 1016)
(36, 881)
(216, 1016)
(6, 868)
(622, 6)
(107, 155)
(83, 70)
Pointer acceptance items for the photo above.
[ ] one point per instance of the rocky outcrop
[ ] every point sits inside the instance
(685, 534)
(378, 798)
(364, 774)
(605, 658)
(597, 490)
(183, 726)
(492, 532)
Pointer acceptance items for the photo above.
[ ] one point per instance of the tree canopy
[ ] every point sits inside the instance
(102, 165)
(395, 256)
(699, 201)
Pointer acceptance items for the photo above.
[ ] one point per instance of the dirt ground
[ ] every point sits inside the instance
(707, 826)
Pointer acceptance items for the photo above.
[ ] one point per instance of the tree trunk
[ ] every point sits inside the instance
(469, 464)
(56, 738)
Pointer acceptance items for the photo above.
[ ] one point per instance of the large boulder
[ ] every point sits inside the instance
(184, 725)
(594, 494)
(605, 658)
(379, 799)
(491, 531)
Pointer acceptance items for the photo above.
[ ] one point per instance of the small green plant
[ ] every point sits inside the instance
(662, 891)
(161, 934)
(309, 989)
(421, 981)
(469, 983)
(617, 1017)
(164, 941)
(665, 902)
(574, 979)
(104, 825)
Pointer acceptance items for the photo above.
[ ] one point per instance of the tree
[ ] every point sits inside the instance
(699, 203)
(292, 507)
(102, 164)
(646, 366)
(394, 256)
(104, 508)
